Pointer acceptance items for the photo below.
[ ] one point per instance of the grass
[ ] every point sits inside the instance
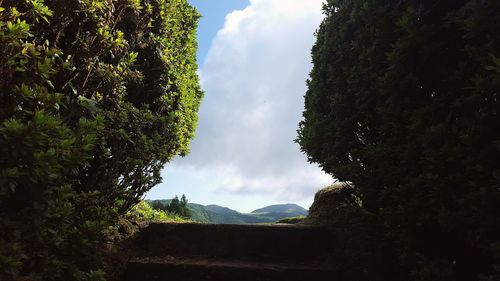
(292, 220)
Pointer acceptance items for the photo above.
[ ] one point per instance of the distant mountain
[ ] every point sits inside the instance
(280, 211)
(292, 209)
(223, 215)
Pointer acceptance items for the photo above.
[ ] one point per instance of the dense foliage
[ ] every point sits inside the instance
(293, 220)
(96, 96)
(222, 215)
(403, 103)
(144, 213)
(175, 207)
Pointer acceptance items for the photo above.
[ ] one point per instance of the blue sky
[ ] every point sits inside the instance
(213, 16)
(254, 59)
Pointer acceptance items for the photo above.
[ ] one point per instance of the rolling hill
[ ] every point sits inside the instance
(223, 215)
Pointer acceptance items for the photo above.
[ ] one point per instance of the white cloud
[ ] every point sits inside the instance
(254, 79)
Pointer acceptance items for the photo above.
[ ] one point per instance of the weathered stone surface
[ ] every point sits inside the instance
(328, 200)
(262, 242)
(208, 269)
(231, 252)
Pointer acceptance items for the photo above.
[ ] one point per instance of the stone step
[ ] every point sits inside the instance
(251, 242)
(216, 269)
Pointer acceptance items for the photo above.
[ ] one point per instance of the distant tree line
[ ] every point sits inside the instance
(403, 104)
(175, 207)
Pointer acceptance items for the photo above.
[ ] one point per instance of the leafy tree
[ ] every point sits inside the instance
(143, 212)
(158, 205)
(179, 207)
(96, 96)
(403, 103)
(174, 206)
(184, 210)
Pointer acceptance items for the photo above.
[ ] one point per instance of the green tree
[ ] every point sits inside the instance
(179, 207)
(184, 210)
(403, 103)
(96, 96)
(158, 205)
(174, 206)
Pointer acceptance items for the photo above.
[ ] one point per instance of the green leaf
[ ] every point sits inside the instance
(13, 126)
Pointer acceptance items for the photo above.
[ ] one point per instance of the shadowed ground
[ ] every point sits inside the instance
(231, 252)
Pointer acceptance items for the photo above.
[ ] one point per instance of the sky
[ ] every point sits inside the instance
(254, 59)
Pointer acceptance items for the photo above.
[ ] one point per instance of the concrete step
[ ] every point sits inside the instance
(198, 252)
(217, 269)
(286, 243)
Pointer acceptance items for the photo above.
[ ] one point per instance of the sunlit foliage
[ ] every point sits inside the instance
(175, 206)
(95, 97)
(143, 212)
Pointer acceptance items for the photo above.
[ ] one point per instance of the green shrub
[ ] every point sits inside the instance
(403, 103)
(96, 96)
(143, 212)
(362, 250)
(293, 220)
(174, 206)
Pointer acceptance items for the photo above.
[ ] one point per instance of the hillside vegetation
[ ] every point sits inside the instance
(144, 213)
(223, 215)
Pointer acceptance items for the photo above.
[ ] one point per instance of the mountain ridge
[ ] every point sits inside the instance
(223, 215)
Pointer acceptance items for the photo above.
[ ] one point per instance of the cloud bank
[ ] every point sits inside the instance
(254, 81)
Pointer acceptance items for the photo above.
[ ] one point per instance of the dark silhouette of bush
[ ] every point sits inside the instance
(362, 249)
(403, 103)
(96, 96)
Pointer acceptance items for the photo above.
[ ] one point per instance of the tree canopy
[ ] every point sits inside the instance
(96, 96)
(174, 207)
(402, 102)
